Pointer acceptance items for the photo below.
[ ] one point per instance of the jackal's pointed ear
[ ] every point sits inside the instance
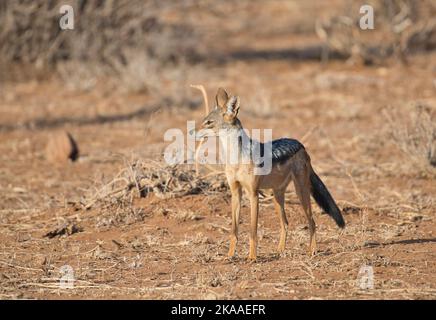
(232, 107)
(221, 98)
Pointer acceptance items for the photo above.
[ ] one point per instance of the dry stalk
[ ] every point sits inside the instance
(206, 106)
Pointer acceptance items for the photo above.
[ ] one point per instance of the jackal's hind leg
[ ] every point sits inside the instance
(279, 205)
(302, 187)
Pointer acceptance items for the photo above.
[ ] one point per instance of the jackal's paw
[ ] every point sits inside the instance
(312, 252)
(232, 250)
(312, 247)
(251, 258)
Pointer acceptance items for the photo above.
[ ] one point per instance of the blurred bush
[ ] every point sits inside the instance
(111, 36)
(138, 41)
(401, 27)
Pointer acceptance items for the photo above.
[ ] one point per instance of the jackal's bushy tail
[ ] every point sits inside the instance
(324, 199)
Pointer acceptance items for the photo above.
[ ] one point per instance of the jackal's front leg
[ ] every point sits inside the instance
(236, 191)
(279, 204)
(254, 201)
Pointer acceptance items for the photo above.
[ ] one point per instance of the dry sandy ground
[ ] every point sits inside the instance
(176, 248)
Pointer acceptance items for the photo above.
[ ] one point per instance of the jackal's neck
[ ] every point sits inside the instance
(235, 143)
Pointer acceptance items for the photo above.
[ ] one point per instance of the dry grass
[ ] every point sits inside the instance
(414, 132)
(140, 178)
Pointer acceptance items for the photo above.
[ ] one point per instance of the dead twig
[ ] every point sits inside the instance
(206, 106)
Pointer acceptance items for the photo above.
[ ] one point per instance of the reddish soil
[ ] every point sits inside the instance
(176, 248)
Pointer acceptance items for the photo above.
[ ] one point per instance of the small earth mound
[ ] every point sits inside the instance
(61, 147)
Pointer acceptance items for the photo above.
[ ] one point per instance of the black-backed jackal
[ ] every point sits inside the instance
(290, 161)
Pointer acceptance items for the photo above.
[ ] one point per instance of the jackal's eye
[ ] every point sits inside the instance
(208, 122)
